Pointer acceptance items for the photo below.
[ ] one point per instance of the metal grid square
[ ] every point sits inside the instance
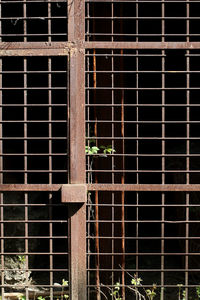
(34, 120)
(139, 21)
(34, 245)
(151, 234)
(151, 118)
(31, 20)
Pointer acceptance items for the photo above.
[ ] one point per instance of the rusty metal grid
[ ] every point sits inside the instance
(151, 118)
(151, 21)
(144, 105)
(142, 90)
(34, 245)
(38, 21)
(34, 120)
(152, 234)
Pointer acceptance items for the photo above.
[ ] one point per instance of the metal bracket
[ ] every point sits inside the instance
(74, 193)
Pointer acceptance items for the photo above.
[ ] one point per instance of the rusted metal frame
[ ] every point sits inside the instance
(33, 1)
(34, 52)
(141, 1)
(77, 212)
(142, 45)
(144, 187)
(102, 187)
(35, 48)
(63, 48)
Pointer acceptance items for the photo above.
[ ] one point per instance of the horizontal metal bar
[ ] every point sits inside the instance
(32, 1)
(142, 138)
(147, 270)
(102, 187)
(35, 48)
(30, 187)
(144, 187)
(63, 48)
(156, 170)
(144, 122)
(130, 205)
(33, 138)
(34, 52)
(36, 154)
(116, 18)
(142, 1)
(145, 254)
(142, 45)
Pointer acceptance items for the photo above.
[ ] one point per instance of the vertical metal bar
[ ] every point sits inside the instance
(77, 213)
(137, 141)
(188, 152)
(123, 168)
(163, 156)
(112, 174)
(77, 250)
(89, 209)
(49, 22)
(77, 93)
(25, 21)
(2, 248)
(95, 175)
(50, 169)
(1, 169)
(25, 172)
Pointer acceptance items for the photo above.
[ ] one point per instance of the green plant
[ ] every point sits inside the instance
(183, 295)
(21, 297)
(21, 258)
(116, 292)
(180, 286)
(40, 298)
(107, 149)
(65, 284)
(151, 292)
(198, 291)
(91, 150)
(137, 286)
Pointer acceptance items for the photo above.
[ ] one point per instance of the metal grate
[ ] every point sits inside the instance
(151, 118)
(144, 104)
(31, 20)
(34, 120)
(34, 249)
(151, 21)
(154, 235)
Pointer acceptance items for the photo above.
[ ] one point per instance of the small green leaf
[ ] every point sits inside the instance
(40, 298)
(64, 282)
(136, 281)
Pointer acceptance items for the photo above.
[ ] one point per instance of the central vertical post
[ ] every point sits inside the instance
(77, 212)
